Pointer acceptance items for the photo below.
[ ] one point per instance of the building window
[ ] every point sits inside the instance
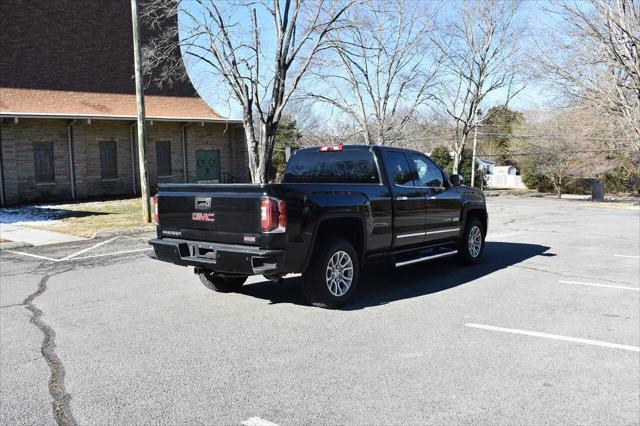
(43, 162)
(108, 160)
(163, 158)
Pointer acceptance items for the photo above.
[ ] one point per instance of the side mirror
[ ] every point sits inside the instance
(456, 180)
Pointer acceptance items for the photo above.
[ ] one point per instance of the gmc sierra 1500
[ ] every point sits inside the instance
(336, 208)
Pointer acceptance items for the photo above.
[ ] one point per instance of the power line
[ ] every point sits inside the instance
(584, 151)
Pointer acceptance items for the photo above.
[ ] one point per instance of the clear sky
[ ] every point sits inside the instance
(536, 95)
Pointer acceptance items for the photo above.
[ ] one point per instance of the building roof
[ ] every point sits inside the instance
(80, 46)
(67, 104)
(59, 59)
(482, 160)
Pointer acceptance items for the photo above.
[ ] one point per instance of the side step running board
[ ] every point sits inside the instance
(425, 258)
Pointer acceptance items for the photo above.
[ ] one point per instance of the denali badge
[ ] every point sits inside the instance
(203, 217)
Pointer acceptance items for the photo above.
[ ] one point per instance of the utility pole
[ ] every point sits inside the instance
(475, 143)
(142, 138)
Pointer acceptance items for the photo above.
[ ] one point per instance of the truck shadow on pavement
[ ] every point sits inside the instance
(380, 285)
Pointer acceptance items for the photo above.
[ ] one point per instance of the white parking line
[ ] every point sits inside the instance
(129, 237)
(555, 337)
(257, 421)
(109, 254)
(600, 285)
(90, 248)
(627, 255)
(50, 259)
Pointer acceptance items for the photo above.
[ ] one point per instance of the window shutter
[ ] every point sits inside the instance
(108, 160)
(163, 158)
(43, 162)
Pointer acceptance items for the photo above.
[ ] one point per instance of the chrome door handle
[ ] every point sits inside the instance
(402, 198)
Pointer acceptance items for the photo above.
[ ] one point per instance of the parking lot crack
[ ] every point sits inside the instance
(61, 399)
(13, 305)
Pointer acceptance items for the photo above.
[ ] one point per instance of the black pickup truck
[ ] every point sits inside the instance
(337, 207)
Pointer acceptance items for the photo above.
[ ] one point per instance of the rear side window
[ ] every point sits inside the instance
(398, 169)
(348, 166)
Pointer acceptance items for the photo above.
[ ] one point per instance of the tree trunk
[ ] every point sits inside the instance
(265, 158)
(259, 151)
(381, 135)
(456, 162)
(558, 188)
(458, 149)
(251, 152)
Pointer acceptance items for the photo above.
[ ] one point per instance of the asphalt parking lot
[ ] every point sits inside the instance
(544, 330)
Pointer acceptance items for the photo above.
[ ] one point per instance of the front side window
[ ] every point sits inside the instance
(427, 173)
(163, 158)
(43, 162)
(398, 169)
(108, 160)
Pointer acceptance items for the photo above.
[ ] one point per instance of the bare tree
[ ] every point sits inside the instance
(261, 71)
(381, 69)
(569, 144)
(595, 59)
(481, 46)
(557, 162)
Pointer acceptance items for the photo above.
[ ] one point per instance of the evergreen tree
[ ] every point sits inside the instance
(497, 130)
(288, 135)
(441, 156)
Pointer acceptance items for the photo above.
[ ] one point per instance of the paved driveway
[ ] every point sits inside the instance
(544, 330)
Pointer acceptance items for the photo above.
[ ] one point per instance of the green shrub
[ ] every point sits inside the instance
(534, 180)
(440, 156)
(620, 180)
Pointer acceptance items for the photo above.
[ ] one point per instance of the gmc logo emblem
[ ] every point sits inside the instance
(203, 217)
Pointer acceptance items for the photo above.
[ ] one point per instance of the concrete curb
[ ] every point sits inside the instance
(609, 199)
(119, 232)
(14, 245)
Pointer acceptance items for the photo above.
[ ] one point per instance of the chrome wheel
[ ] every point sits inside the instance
(339, 273)
(475, 241)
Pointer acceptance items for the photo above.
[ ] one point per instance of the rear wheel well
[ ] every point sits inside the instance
(481, 215)
(349, 228)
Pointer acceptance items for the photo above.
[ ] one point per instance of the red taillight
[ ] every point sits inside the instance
(331, 148)
(156, 216)
(273, 215)
(282, 210)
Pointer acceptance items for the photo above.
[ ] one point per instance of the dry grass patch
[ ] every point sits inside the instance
(85, 219)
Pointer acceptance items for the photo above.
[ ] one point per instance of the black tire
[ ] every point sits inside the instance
(322, 291)
(222, 284)
(466, 253)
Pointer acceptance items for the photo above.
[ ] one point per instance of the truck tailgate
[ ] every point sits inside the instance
(209, 212)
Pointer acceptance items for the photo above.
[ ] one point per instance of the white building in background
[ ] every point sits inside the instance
(504, 170)
(505, 177)
(485, 166)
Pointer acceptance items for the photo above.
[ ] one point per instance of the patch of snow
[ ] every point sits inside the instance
(51, 213)
(31, 215)
(70, 205)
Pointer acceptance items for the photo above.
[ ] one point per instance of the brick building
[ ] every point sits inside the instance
(68, 112)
